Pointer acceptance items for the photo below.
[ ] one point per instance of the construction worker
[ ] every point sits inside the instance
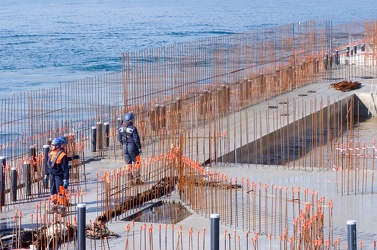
(129, 138)
(57, 167)
(65, 147)
(64, 141)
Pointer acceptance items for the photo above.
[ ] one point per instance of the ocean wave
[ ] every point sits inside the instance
(45, 42)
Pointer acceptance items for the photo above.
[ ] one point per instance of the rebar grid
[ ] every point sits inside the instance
(258, 65)
(193, 98)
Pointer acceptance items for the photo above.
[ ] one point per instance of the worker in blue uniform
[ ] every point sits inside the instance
(129, 137)
(57, 167)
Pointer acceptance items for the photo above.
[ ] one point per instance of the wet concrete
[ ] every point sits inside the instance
(161, 213)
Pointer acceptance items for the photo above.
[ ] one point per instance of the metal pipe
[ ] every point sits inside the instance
(27, 178)
(13, 190)
(93, 141)
(351, 235)
(106, 134)
(33, 156)
(337, 61)
(215, 230)
(2, 181)
(99, 136)
(46, 149)
(81, 218)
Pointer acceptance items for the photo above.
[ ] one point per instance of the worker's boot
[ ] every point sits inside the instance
(138, 181)
(53, 206)
(52, 209)
(137, 176)
(130, 177)
(61, 210)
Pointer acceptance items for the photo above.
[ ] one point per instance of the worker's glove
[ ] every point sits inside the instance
(140, 152)
(65, 183)
(45, 179)
(75, 157)
(69, 166)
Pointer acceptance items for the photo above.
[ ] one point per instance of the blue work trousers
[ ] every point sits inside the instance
(55, 182)
(130, 152)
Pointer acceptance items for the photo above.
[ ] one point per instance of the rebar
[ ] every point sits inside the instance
(194, 103)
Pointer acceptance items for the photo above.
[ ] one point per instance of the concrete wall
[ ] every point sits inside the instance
(368, 104)
(299, 138)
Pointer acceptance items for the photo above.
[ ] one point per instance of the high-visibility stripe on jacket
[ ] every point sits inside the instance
(59, 157)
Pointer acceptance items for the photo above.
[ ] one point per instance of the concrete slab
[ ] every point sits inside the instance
(356, 207)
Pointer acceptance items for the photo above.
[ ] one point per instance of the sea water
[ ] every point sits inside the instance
(46, 42)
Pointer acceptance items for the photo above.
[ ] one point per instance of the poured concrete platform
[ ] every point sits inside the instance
(315, 96)
(356, 207)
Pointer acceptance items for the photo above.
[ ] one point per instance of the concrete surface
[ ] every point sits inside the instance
(346, 207)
